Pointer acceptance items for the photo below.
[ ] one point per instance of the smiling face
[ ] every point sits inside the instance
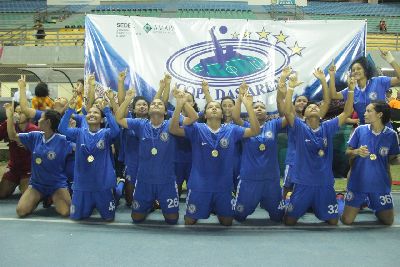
(300, 103)
(94, 116)
(358, 72)
(141, 108)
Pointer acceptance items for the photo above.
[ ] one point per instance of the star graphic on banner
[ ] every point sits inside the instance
(246, 34)
(235, 35)
(263, 34)
(296, 49)
(281, 38)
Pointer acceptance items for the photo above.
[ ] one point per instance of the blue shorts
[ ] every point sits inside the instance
(69, 167)
(377, 201)
(145, 195)
(267, 193)
(182, 171)
(287, 180)
(84, 202)
(322, 199)
(47, 191)
(200, 204)
(130, 173)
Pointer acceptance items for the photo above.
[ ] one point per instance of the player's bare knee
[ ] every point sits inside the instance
(288, 221)
(225, 221)
(346, 220)
(138, 217)
(332, 221)
(190, 221)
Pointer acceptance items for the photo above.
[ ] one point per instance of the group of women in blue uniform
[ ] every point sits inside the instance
(220, 155)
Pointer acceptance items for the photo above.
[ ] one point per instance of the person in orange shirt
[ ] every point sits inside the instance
(42, 100)
(78, 89)
(395, 103)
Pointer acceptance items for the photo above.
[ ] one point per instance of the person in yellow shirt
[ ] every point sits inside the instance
(42, 100)
(79, 92)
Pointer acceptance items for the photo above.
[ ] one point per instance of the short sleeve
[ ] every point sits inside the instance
(28, 139)
(332, 126)
(191, 131)
(354, 139)
(394, 148)
(38, 115)
(238, 132)
(136, 124)
(345, 93)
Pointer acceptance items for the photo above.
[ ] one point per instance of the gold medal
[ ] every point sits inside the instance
(214, 153)
(321, 153)
(90, 158)
(261, 147)
(38, 161)
(154, 151)
(372, 157)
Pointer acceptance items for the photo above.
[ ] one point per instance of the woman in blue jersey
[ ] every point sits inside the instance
(372, 147)
(94, 171)
(49, 153)
(368, 88)
(299, 103)
(210, 182)
(156, 178)
(314, 180)
(259, 171)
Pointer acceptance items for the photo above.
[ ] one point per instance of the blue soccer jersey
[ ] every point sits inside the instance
(49, 158)
(94, 169)
(156, 151)
(129, 148)
(314, 153)
(370, 174)
(183, 147)
(260, 153)
(212, 156)
(375, 90)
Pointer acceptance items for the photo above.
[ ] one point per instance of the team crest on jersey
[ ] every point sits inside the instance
(51, 155)
(100, 144)
(383, 151)
(239, 208)
(325, 142)
(269, 135)
(224, 143)
(290, 207)
(128, 177)
(72, 209)
(372, 96)
(135, 205)
(191, 208)
(111, 206)
(164, 136)
(349, 196)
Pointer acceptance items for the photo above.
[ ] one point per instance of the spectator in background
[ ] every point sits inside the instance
(40, 33)
(28, 96)
(395, 102)
(388, 96)
(42, 100)
(382, 26)
(78, 89)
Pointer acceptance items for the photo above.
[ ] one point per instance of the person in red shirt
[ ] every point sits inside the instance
(18, 169)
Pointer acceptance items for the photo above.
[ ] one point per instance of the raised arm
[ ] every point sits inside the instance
(254, 124)
(12, 133)
(160, 90)
(91, 91)
(120, 114)
(332, 87)
(63, 127)
(111, 99)
(348, 106)
(281, 92)
(290, 114)
(114, 128)
(121, 86)
(167, 88)
(206, 91)
(390, 59)
(174, 127)
(326, 98)
(238, 104)
(23, 102)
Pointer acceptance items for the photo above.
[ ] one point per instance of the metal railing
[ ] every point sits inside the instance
(385, 41)
(54, 37)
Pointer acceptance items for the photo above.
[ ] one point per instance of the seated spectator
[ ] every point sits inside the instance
(388, 96)
(395, 102)
(382, 26)
(42, 100)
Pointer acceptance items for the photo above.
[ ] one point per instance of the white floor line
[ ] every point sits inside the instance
(201, 226)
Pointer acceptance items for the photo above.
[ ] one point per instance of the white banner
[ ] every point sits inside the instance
(222, 52)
